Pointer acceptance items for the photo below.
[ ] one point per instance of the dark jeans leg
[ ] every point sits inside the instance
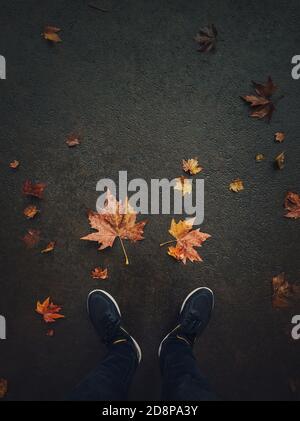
(182, 379)
(111, 380)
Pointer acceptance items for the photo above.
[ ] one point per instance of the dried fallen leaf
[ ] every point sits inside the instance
(31, 238)
(3, 388)
(186, 239)
(284, 293)
(34, 189)
(73, 140)
(261, 103)
(49, 311)
(14, 164)
(292, 205)
(280, 161)
(265, 90)
(99, 273)
(184, 185)
(280, 137)
(236, 186)
(207, 39)
(31, 211)
(50, 247)
(191, 166)
(51, 34)
(260, 157)
(116, 219)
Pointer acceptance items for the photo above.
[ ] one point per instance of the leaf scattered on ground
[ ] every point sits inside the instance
(51, 34)
(280, 161)
(280, 137)
(73, 140)
(116, 219)
(261, 103)
(31, 238)
(14, 164)
(3, 388)
(260, 157)
(186, 240)
(236, 186)
(207, 39)
(99, 273)
(292, 205)
(191, 166)
(284, 293)
(184, 185)
(49, 311)
(50, 247)
(30, 211)
(34, 189)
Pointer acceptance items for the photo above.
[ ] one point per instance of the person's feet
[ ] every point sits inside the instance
(105, 315)
(193, 318)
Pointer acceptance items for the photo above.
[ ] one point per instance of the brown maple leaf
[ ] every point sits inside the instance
(261, 104)
(186, 240)
(31, 238)
(14, 164)
(284, 293)
(73, 140)
(30, 211)
(292, 205)
(49, 311)
(34, 189)
(116, 219)
(50, 247)
(99, 273)
(280, 161)
(3, 388)
(51, 34)
(207, 39)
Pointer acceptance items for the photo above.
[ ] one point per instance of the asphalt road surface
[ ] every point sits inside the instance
(132, 83)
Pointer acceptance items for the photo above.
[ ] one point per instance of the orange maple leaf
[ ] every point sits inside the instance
(50, 247)
(292, 205)
(51, 34)
(99, 273)
(73, 140)
(186, 239)
(116, 219)
(14, 164)
(283, 292)
(33, 189)
(49, 311)
(30, 211)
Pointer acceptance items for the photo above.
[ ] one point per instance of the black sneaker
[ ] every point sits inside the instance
(105, 315)
(193, 318)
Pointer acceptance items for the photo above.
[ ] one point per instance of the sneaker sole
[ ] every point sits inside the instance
(182, 307)
(138, 349)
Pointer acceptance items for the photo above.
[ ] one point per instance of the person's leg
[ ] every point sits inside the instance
(182, 379)
(112, 378)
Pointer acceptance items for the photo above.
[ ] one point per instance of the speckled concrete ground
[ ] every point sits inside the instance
(132, 82)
